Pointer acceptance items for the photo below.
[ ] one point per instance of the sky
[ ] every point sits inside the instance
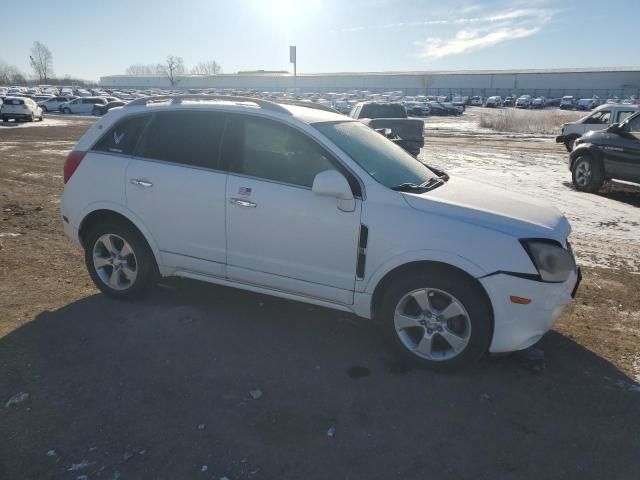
(91, 39)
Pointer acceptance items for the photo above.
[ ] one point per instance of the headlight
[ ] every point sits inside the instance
(553, 262)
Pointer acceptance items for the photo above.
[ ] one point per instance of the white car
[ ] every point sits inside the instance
(82, 105)
(20, 108)
(53, 104)
(477, 101)
(313, 206)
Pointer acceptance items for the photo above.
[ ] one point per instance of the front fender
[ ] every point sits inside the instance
(581, 149)
(441, 256)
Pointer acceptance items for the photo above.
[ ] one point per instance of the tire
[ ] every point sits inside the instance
(66, 110)
(451, 330)
(587, 174)
(569, 143)
(136, 271)
(44, 109)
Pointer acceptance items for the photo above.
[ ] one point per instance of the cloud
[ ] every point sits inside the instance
(467, 40)
(482, 32)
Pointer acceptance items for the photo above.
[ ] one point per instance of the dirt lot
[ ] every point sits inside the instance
(165, 388)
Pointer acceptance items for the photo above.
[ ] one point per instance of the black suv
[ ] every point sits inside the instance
(606, 154)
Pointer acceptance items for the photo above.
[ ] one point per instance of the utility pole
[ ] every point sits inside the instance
(292, 59)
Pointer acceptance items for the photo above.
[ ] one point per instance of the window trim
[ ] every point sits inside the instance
(330, 156)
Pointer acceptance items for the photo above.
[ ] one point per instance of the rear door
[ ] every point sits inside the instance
(176, 187)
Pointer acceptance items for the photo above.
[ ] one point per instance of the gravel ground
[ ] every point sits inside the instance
(199, 381)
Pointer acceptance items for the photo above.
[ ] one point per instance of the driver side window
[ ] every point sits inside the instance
(601, 117)
(274, 151)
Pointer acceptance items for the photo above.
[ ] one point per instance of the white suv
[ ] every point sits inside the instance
(20, 108)
(313, 206)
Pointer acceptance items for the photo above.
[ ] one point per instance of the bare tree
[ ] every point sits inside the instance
(207, 68)
(10, 75)
(140, 69)
(41, 61)
(172, 67)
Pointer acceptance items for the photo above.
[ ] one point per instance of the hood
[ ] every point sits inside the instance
(600, 137)
(494, 208)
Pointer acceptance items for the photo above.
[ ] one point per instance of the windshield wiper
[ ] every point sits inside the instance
(411, 187)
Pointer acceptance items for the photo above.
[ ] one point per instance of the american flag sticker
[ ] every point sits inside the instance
(246, 191)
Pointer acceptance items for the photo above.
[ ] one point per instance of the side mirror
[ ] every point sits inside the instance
(332, 183)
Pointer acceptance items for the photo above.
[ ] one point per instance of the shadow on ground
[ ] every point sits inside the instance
(160, 388)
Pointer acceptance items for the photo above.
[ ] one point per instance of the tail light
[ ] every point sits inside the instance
(71, 163)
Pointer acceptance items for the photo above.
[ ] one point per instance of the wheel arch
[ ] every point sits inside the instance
(101, 215)
(585, 150)
(431, 265)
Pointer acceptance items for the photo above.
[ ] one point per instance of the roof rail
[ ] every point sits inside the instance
(177, 99)
(304, 103)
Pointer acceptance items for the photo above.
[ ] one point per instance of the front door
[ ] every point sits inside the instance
(279, 233)
(623, 160)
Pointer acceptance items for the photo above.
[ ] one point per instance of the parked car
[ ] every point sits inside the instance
(20, 108)
(613, 153)
(417, 109)
(509, 101)
(409, 132)
(585, 104)
(452, 268)
(599, 119)
(82, 105)
(539, 103)
(567, 103)
(493, 102)
(99, 110)
(524, 101)
(438, 109)
(53, 104)
(477, 101)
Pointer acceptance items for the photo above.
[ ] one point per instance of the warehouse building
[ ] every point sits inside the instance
(552, 83)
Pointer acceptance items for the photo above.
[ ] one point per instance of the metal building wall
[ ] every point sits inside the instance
(548, 83)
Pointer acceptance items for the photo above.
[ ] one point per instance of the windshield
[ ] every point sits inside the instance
(385, 161)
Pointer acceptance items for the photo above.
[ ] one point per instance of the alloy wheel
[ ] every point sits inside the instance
(432, 324)
(115, 261)
(583, 173)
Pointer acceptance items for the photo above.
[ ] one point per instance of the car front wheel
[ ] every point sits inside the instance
(119, 261)
(587, 174)
(438, 319)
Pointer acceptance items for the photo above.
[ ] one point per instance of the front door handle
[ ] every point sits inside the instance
(243, 203)
(141, 183)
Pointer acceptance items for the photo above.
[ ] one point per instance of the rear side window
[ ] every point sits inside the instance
(13, 102)
(186, 137)
(123, 136)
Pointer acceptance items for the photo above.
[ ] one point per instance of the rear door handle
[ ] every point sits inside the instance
(243, 203)
(141, 183)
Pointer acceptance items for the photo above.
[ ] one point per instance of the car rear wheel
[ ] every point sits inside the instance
(66, 110)
(119, 261)
(587, 174)
(438, 319)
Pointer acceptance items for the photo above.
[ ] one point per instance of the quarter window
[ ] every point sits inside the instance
(123, 137)
(274, 151)
(186, 137)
